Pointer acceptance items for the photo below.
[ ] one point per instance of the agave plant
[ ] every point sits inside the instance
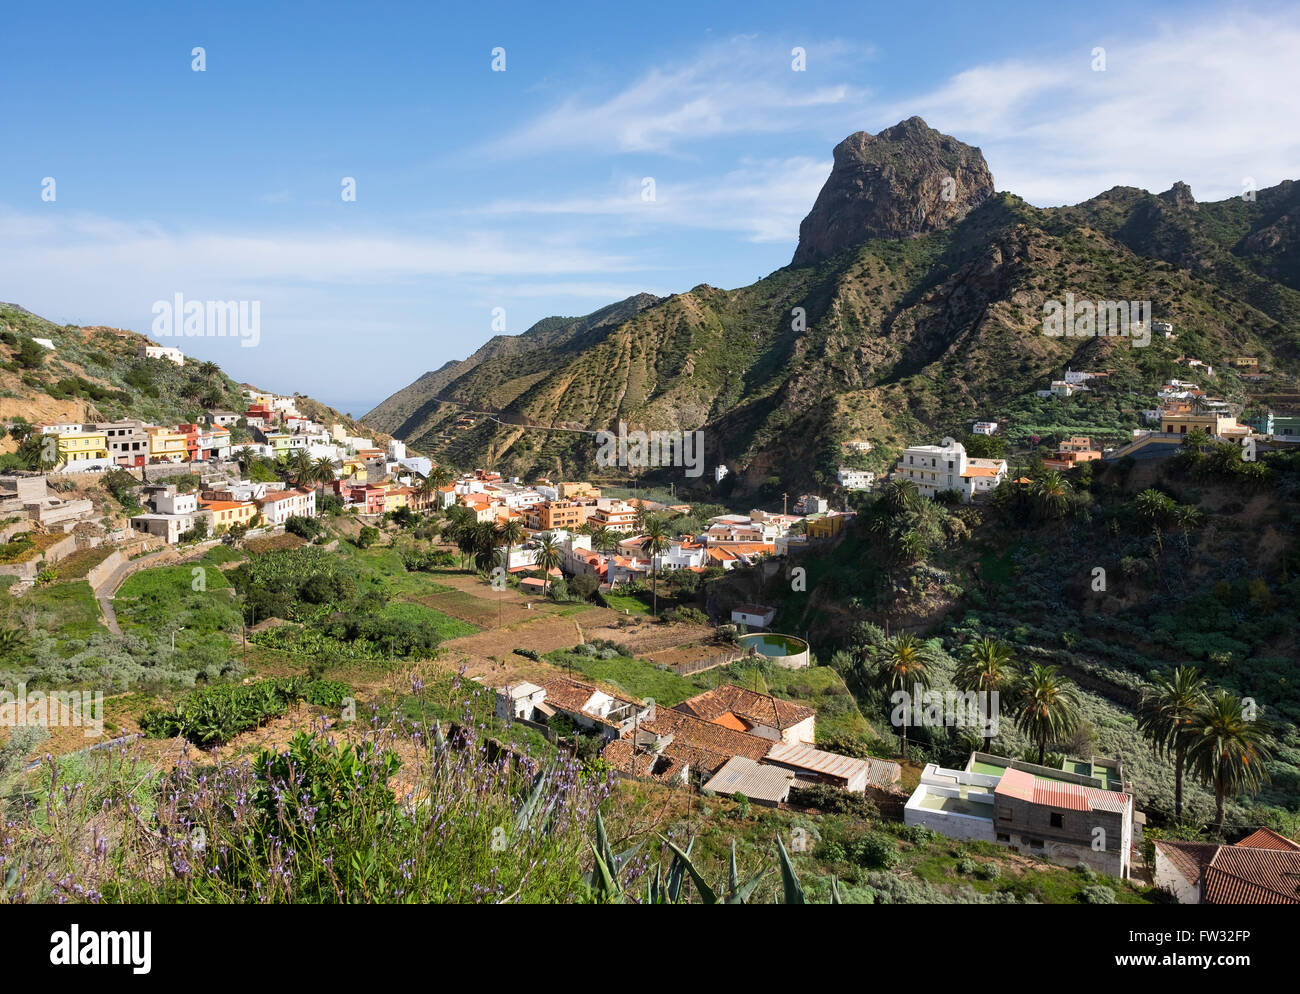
(606, 880)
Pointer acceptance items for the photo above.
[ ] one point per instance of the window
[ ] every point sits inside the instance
(1004, 815)
(1035, 843)
(1056, 819)
(1002, 837)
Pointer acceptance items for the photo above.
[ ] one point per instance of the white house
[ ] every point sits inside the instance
(168, 527)
(719, 473)
(985, 427)
(682, 556)
(277, 508)
(753, 615)
(936, 468)
(161, 352)
(855, 479)
(519, 700)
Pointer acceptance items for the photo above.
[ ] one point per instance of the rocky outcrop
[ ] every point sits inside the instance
(907, 180)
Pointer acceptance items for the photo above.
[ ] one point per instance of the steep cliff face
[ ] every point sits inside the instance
(907, 180)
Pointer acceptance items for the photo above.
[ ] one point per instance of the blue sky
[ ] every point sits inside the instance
(522, 189)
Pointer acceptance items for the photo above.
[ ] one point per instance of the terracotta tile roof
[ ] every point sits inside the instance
(701, 743)
(752, 707)
(568, 695)
(730, 721)
(1245, 875)
(1189, 858)
(979, 471)
(1266, 838)
(619, 752)
(223, 505)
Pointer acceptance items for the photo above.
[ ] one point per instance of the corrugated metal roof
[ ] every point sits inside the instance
(754, 780)
(1016, 783)
(806, 757)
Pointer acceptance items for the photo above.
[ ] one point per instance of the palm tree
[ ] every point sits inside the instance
(39, 452)
(1187, 517)
(1153, 506)
(1197, 440)
(12, 642)
(899, 497)
(906, 668)
(425, 489)
(510, 532)
(1227, 750)
(986, 667)
(549, 557)
(208, 369)
(604, 539)
(304, 469)
(1045, 706)
(460, 530)
(1165, 716)
(1051, 494)
(654, 544)
(483, 540)
(244, 456)
(324, 472)
(440, 476)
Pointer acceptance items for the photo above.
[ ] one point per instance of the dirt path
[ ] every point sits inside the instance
(111, 584)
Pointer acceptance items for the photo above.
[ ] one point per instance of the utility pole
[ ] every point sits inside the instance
(785, 498)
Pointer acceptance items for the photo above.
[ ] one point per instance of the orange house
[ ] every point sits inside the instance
(228, 513)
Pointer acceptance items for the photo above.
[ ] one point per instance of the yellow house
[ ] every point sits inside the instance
(352, 467)
(1211, 424)
(395, 498)
(226, 513)
(166, 445)
(580, 488)
(82, 445)
(826, 527)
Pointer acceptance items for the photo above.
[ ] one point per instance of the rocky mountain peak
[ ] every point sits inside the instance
(1180, 195)
(907, 180)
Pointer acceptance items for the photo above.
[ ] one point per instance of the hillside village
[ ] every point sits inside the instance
(242, 477)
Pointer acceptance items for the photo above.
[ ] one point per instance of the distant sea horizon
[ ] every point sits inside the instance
(354, 408)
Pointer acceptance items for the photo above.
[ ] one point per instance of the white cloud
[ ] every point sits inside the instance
(732, 88)
(763, 199)
(1207, 101)
(92, 245)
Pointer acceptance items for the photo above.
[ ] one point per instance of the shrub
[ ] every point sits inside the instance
(1097, 894)
(307, 528)
(833, 800)
(875, 851)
